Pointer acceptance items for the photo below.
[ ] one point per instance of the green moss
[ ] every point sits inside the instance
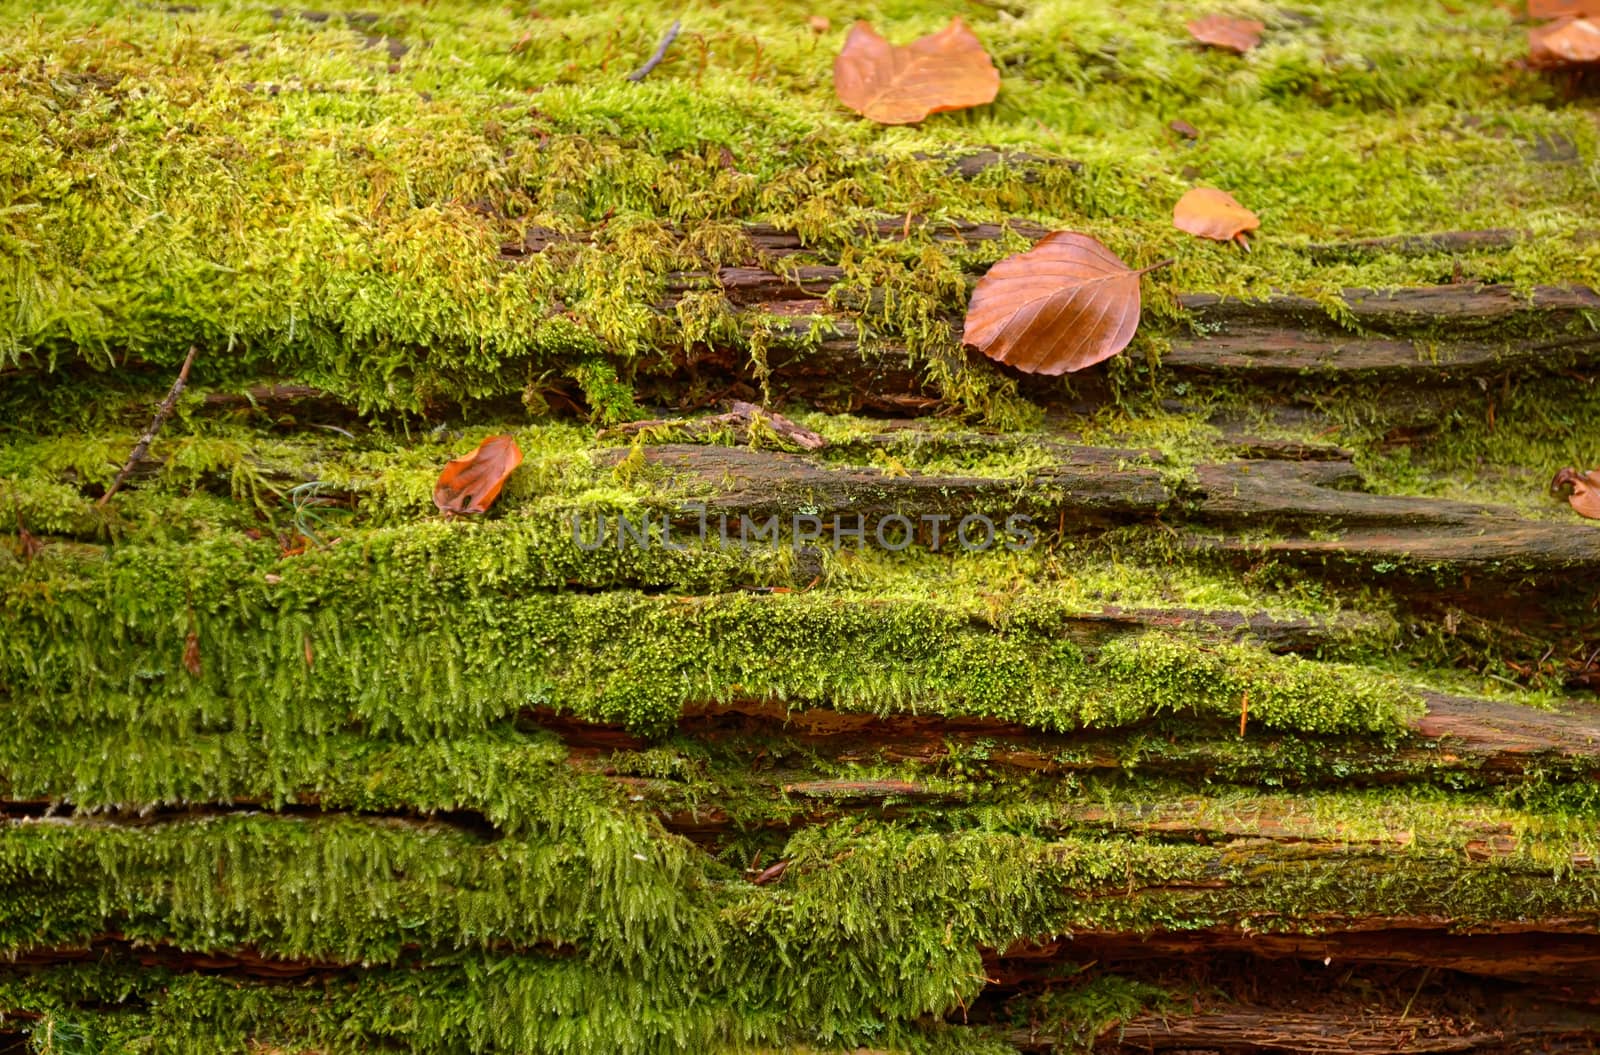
(874, 924)
(1078, 1016)
(350, 777)
(293, 644)
(232, 179)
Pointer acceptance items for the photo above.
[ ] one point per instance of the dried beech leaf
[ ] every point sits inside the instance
(947, 70)
(1065, 304)
(1212, 213)
(1563, 8)
(1585, 493)
(471, 484)
(191, 653)
(1568, 42)
(1221, 31)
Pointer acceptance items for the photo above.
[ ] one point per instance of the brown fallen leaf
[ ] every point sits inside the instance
(1212, 213)
(471, 484)
(771, 875)
(1065, 304)
(1585, 494)
(191, 653)
(819, 23)
(1224, 31)
(1563, 8)
(947, 70)
(1564, 43)
(1184, 128)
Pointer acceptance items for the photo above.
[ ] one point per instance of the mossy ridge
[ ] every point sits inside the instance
(1185, 774)
(530, 548)
(873, 921)
(214, 476)
(300, 655)
(1412, 792)
(1349, 123)
(1503, 445)
(514, 1003)
(354, 890)
(514, 781)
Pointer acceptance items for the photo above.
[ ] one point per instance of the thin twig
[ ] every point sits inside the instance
(149, 436)
(660, 53)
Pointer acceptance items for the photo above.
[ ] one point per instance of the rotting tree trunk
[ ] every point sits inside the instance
(1279, 734)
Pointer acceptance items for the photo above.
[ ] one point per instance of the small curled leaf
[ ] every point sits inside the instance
(1211, 213)
(471, 484)
(1565, 43)
(1222, 31)
(1563, 8)
(1584, 493)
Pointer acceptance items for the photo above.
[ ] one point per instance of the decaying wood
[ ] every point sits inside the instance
(240, 960)
(1090, 486)
(1521, 951)
(276, 398)
(1498, 742)
(1432, 338)
(1334, 992)
(1523, 1026)
(1419, 244)
(22, 813)
(742, 420)
(1287, 347)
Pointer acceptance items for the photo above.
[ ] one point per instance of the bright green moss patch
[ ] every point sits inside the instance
(295, 645)
(875, 926)
(299, 201)
(519, 1003)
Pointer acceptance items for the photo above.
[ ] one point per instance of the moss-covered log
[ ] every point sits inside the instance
(1234, 695)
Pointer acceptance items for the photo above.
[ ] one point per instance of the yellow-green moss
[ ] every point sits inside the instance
(284, 192)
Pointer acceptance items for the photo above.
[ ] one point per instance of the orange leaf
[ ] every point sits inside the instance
(191, 653)
(819, 23)
(1065, 304)
(1585, 494)
(1221, 31)
(471, 484)
(947, 70)
(1568, 42)
(1212, 213)
(1563, 8)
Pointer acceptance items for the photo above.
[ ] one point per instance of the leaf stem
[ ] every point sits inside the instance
(1158, 265)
